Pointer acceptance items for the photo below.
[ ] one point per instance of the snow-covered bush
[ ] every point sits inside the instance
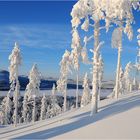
(85, 99)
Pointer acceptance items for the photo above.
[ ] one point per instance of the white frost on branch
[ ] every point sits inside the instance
(116, 38)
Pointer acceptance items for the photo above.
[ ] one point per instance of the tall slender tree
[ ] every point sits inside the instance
(76, 55)
(62, 82)
(15, 62)
(32, 89)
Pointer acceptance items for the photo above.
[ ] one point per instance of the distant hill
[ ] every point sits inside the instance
(45, 84)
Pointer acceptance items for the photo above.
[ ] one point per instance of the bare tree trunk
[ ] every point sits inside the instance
(94, 101)
(118, 68)
(77, 87)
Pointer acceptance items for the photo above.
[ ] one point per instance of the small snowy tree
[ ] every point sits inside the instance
(32, 88)
(8, 110)
(43, 107)
(127, 79)
(25, 108)
(85, 99)
(34, 111)
(62, 82)
(54, 109)
(15, 61)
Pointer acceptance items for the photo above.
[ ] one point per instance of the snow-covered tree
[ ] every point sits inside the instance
(43, 107)
(15, 62)
(8, 110)
(54, 109)
(76, 55)
(100, 73)
(85, 99)
(25, 108)
(127, 79)
(62, 82)
(2, 112)
(32, 88)
(34, 111)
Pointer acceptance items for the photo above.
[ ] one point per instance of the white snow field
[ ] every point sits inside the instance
(116, 119)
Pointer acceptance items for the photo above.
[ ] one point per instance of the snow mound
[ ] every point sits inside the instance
(115, 119)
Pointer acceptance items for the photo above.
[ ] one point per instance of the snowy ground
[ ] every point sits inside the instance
(116, 119)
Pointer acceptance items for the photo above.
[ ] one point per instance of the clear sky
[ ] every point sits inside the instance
(43, 31)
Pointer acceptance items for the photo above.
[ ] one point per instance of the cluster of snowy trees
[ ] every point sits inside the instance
(86, 15)
(14, 110)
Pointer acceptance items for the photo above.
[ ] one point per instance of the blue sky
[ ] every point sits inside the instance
(43, 31)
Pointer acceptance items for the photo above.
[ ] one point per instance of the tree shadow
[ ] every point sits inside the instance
(85, 119)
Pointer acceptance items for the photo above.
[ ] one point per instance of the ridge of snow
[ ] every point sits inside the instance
(115, 119)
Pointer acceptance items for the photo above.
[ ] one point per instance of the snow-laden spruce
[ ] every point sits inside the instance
(43, 107)
(32, 88)
(53, 109)
(15, 62)
(25, 111)
(6, 110)
(85, 99)
(127, 78)
(65, 65)
(118, 12)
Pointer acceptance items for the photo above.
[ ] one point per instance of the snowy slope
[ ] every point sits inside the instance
(116, 119)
